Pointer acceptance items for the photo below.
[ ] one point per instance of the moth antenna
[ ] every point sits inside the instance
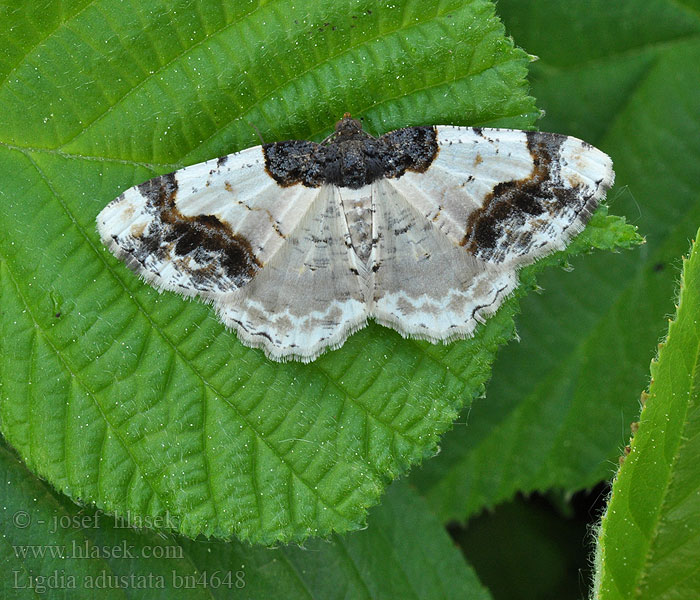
(262, 141)
(328, 138)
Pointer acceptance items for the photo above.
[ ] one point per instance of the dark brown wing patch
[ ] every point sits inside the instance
(351, 158)
(497, 228)
(202, 247)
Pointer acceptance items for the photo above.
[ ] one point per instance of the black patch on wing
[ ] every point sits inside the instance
(293, 161)
(201, 247)
(497, 228)
(352, 158)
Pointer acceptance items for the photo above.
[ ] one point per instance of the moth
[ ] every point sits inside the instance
(297, 244)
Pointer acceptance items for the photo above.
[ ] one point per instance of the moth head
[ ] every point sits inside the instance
(348, 127)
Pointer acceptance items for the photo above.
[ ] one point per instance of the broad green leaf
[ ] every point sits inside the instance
(649, 540)
(622, 75)
(404, 553)
(143, 402)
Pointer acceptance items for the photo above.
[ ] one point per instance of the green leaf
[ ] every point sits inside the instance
(405, 553)
(649, 541)
(143, 402)
(623, 76)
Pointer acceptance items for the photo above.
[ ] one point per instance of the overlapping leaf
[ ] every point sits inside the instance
(649, 542)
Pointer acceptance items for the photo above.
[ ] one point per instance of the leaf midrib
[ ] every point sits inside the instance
(150, 166)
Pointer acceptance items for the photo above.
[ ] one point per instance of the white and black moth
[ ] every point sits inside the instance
(297, 244)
